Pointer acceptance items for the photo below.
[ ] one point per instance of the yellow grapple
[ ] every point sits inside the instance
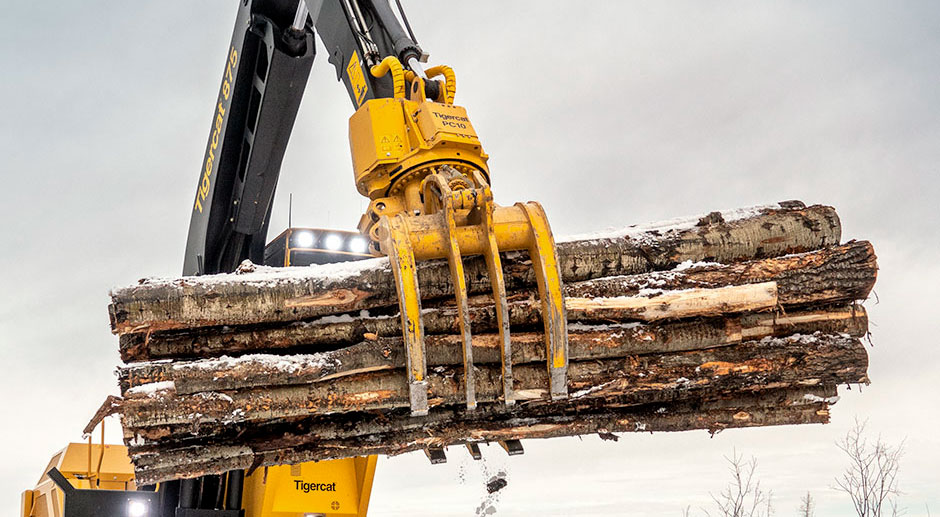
(422, 166)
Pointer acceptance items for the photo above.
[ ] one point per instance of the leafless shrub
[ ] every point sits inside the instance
(743, 497)
(871, 477)
(807, 506)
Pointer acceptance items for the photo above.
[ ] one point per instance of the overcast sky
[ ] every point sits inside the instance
(609, 113)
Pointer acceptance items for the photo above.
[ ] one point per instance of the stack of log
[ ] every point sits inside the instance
(735, 319)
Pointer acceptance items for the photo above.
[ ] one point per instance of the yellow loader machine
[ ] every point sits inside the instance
(418, 159)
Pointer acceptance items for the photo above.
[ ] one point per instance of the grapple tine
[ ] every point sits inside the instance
(455, 261)
(494, 268)
(512, 447)
(436, 455)
(402, 261)
(548, 276)
(474, 450)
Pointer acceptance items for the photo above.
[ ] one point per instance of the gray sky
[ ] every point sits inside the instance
(608, 113)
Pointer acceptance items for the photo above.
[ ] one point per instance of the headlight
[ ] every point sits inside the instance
(136, 509)
(333, 242)
(303, 239)
(358, 245)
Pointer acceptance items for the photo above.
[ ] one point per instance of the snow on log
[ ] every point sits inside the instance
(837, 274)
(585, 342)
(288, 294)
(733, 319)
(824, 358)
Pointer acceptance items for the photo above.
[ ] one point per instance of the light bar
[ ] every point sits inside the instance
(304, 239)
(136, 509)
(333, 242)
(358, 245)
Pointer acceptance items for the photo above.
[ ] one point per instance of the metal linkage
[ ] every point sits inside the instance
(300, 16)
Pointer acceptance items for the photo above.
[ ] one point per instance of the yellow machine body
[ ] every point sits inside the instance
(335, 488)
(84, 465)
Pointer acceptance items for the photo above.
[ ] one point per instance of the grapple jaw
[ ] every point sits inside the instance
(464, 221)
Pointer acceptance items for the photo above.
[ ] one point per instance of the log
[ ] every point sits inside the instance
(585, 342)
(772, 362)
(832, 275)
(307, 429)
(733, 319)
(261, 295)
(664, 305)
(311, 441)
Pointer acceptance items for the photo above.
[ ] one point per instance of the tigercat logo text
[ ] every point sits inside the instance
(314, 487)
(226, 91)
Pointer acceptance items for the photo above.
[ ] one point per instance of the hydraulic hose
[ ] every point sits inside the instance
(391, 63)
(450, 81)
(447, 93)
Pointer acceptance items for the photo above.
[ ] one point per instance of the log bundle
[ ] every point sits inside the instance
(735, 319)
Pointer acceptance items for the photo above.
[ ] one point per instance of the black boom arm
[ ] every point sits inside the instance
(263, 81)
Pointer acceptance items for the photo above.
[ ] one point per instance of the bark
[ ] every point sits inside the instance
(783, 362)
(313, 440)
(585, 342)
(837, 274)
(265, 296)
(362, 425)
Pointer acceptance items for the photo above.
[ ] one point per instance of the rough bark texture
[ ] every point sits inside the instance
(233, 299)
(312, 439)
(735, 319)
(585, 342)
(826, 359)
(832, 275)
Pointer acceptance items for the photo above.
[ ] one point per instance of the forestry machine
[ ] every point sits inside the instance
(418, 159)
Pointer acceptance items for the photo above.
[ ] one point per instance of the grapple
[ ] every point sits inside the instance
(421, 164)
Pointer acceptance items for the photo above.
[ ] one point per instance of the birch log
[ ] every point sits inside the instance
(833, 275)
(585, 342)
(260, 295)
(782, 362)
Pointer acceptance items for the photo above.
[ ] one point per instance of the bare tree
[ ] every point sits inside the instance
(871, 477)
(743, 497)
(807, 506)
